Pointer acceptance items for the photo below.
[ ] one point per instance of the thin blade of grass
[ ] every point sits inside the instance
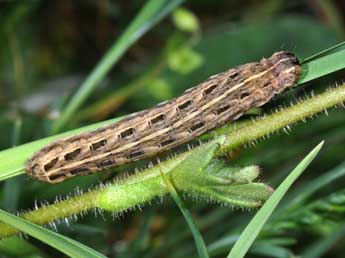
(322, 66)
(196, 162)
(16, 246)
(199, 241)
(149, 15)
(256, 224)
(64, 244)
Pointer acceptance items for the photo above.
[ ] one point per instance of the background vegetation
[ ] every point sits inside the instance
(49, 48)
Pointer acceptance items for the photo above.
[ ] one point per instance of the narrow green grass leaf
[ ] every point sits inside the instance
(16, 246)
(256, 224)
(199, 241)
(322, 66)
(149, 15)
(199, 159)
(64, 244)
(196, 162)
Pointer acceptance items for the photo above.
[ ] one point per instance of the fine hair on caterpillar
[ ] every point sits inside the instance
(222, 98)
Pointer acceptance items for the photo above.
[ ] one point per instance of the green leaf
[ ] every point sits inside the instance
(185, 20)
(184, 60)
(17, 247)
(248, 195)
(322, 66)
(237, 175)
(256, 224)
(64, 244)
(223, 184)
(194, 164)
(197, 162)
(160, 89)
(142, 187)
(199, 241)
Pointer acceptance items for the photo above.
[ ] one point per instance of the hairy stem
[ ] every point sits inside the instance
(146, 185)
(266, 125)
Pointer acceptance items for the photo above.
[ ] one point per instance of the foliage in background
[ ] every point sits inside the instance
(47, 51)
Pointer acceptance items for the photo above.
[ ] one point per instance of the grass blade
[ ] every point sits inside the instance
(322, 66)
(64, 244)
(256, 224)
(199, 241)
(18, 247)
(150, 14)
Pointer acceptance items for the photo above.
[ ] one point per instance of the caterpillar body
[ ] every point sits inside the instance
(222, 98)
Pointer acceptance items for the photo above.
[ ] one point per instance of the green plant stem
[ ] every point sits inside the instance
(285, 117)
(62, 209)
(148, 182)
(116, 197)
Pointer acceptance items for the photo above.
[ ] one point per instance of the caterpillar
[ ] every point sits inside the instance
(222, 98)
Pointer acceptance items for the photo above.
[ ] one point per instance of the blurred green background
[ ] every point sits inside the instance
(47, 48)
